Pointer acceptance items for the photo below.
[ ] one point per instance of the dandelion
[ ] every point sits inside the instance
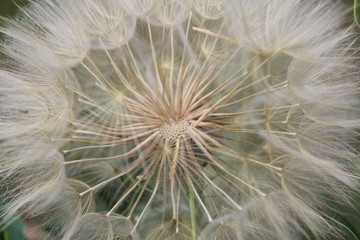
(156, 119)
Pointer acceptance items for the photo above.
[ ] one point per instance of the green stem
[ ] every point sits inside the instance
(357, 12)
(192, 214)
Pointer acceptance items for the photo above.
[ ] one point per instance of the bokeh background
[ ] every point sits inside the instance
(8, 7)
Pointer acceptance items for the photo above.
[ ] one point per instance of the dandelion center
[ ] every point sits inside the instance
(174, 129)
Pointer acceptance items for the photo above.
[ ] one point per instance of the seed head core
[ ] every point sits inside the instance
(174, 130)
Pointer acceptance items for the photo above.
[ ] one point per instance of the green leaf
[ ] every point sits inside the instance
(15, 230)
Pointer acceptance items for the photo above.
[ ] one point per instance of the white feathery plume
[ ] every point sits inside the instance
(298, 28)
(49, 30)
(138, 7)
(210, 9)
(107, 21)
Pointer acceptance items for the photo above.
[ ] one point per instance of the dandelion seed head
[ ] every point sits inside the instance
(154, 119)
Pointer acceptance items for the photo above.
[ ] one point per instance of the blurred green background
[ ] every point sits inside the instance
(8, 7)
(349, 217)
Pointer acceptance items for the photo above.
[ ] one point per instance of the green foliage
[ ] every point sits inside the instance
(14, 231)
(8, 7)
